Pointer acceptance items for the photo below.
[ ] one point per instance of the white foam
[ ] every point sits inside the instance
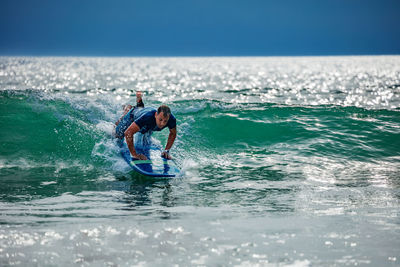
(48, 183)
(106, 126)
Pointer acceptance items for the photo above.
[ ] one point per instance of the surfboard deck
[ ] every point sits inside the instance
(154, 166)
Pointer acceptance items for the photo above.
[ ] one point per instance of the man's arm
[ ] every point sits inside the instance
(170, 142)
(134, 128)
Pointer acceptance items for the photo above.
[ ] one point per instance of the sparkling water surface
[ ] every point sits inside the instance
(291, 161)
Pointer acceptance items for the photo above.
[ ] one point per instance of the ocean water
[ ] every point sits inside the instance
(291, 161)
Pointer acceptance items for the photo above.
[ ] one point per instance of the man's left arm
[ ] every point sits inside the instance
(170, 142)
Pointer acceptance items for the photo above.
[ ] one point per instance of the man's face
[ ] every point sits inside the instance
(161, 120)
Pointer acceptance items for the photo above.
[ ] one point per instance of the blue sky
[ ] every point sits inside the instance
(199, 27)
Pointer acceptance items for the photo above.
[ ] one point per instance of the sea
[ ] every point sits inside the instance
(285, 161)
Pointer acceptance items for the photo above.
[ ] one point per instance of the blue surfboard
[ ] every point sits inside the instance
(154, 166)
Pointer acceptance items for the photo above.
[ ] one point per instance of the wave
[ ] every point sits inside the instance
(40, 128)
(322, 129)
(36, 126)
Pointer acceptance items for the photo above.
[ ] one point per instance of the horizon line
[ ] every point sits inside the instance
(195, 56)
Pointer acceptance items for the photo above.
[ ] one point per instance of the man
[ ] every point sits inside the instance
(145, 120)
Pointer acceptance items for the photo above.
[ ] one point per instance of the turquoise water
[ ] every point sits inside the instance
(285, 161)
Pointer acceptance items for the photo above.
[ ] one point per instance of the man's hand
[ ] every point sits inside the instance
(170, 142)
(166, 155)
(140, 156)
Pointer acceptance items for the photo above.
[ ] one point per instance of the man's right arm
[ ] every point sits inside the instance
(134, 128)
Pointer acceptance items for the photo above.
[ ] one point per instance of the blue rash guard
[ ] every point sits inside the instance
(144, 118)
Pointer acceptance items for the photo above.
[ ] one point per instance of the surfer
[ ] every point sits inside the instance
(143, 120)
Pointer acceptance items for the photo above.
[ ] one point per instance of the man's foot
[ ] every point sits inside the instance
(138, 96)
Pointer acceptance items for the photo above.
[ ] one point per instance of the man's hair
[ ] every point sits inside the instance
(164, 109)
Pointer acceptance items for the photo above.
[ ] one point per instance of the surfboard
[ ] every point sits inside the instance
(154, 166)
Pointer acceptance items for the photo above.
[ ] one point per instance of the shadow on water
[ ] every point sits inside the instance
(144, 191)
(257, 189)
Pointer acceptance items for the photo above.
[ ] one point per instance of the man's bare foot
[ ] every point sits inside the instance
(138, 96)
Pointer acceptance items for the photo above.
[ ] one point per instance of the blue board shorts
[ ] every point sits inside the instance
(142, 140)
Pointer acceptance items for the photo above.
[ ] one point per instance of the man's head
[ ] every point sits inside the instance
(162, 116)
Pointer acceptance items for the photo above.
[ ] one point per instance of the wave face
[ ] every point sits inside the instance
(280, 158)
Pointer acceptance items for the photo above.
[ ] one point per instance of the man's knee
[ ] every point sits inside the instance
(127, 108)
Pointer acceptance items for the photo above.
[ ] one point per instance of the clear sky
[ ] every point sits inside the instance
(199, 27)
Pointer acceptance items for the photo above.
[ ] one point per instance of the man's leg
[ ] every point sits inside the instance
(126, 109)
(124, 123)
